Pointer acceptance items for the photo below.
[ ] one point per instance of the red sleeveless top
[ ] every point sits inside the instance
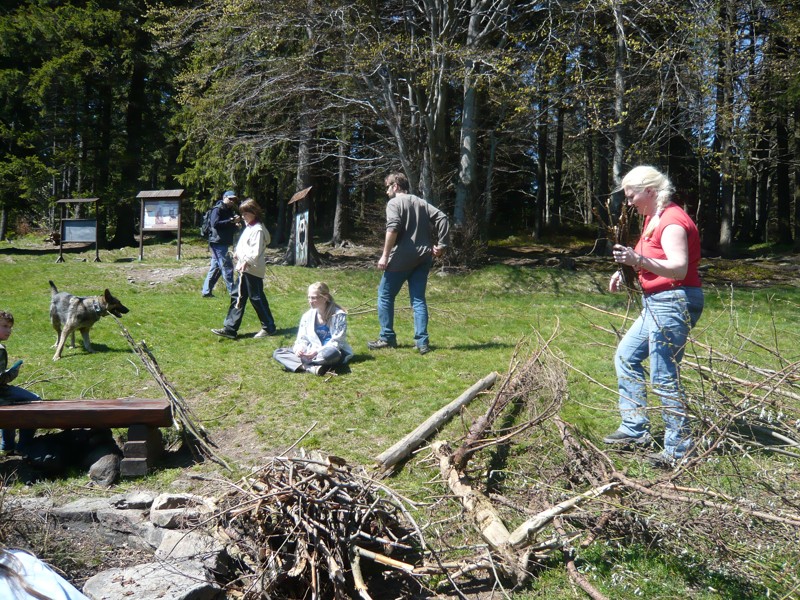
(651, 248)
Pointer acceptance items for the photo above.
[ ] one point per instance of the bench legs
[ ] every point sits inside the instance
(141, 451)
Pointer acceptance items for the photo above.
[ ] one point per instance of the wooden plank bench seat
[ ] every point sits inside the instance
(142, 417)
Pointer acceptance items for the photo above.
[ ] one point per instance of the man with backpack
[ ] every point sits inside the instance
(223, 223)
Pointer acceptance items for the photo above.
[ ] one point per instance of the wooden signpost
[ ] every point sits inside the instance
(302, 229)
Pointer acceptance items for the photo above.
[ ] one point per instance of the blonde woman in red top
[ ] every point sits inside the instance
(666, 258)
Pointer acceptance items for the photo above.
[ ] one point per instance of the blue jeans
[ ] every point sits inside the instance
(390, 285)
(11, 394)
(250, 288)
(660, 332)
(221, 265)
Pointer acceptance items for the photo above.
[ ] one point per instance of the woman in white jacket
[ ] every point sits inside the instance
(321, 337)
(251, 266)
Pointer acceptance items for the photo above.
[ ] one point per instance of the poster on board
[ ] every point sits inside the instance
(161, 215)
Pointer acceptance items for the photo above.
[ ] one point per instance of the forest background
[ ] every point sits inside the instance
(514, 117)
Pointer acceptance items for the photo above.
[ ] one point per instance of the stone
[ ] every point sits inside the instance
(153, 580)
(81, 510)
(105, 470)
(124, 521)
(133, 467)
(180, 510)
(133, 500)
(180, 546)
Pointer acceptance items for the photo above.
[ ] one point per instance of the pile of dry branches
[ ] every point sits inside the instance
(304, 523)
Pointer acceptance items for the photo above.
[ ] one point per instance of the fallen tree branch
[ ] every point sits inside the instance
(522, 535)
(413, 440)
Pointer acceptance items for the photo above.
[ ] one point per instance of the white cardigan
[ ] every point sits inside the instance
(250, 250)
(308, 340)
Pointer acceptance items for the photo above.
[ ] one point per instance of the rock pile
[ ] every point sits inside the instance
(185, 561)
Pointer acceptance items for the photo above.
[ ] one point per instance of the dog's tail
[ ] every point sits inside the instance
(53, 287)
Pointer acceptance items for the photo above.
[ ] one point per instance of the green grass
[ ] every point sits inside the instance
(242, 395)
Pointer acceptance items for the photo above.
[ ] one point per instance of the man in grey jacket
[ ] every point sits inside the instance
(415, 232)
(224, 224)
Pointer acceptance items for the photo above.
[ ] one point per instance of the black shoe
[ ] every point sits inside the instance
(381, 343)
(424, 349)
(208, 295)
(224, 333)
(660, 460)
(623, 439)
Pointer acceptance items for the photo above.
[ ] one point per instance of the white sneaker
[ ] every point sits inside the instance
(262, 334)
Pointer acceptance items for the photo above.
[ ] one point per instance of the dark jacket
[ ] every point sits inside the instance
(223, 228)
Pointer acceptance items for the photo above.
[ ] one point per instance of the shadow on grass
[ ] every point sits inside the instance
(96, 349)
(45, 251)
(476, 346)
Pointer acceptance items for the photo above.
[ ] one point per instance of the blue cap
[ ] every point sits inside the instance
(229, 194)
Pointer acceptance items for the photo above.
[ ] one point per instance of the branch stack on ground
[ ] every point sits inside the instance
(303, 524)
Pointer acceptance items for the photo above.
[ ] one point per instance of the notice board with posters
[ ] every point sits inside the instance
(160, 211)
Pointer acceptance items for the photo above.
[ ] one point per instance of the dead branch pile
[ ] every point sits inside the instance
(732, 514)
(305, 523)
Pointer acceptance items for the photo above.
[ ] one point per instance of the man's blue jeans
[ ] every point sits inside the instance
(660, 332)
(221, 265)
(12, 394)
(390, 285)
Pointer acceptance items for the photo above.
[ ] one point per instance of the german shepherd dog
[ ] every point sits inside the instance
(69, 314)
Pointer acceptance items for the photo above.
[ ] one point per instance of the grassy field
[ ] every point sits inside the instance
(252, 408)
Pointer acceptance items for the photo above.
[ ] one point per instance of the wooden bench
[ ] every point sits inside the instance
(142, 417)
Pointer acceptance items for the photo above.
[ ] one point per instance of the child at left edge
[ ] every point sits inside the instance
(12, 394)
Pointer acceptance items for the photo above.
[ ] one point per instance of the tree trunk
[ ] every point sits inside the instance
(558, 164)
(125, 234)
(541, 171)
(488, 197)
(722, 131)
(465, 187)
(796, 181)
(620, 112)
(339, 216)
(3, 222)
(782, 178)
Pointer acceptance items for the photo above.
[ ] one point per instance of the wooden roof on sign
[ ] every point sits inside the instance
(160, 194)
(69, 200)
(300, 195)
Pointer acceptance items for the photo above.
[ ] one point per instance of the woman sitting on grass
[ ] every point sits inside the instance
(321, 337)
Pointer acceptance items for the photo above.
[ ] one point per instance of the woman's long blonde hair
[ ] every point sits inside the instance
(321, 289)
(645, 176)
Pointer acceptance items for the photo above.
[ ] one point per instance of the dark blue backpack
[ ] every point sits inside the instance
(205, 224)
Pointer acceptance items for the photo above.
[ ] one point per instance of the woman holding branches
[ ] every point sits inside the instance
(666, 258)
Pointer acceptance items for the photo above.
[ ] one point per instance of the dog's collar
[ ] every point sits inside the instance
(97, 308)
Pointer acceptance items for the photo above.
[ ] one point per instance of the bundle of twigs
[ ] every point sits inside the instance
(304, 523)
(619, 233)
(194, 436)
